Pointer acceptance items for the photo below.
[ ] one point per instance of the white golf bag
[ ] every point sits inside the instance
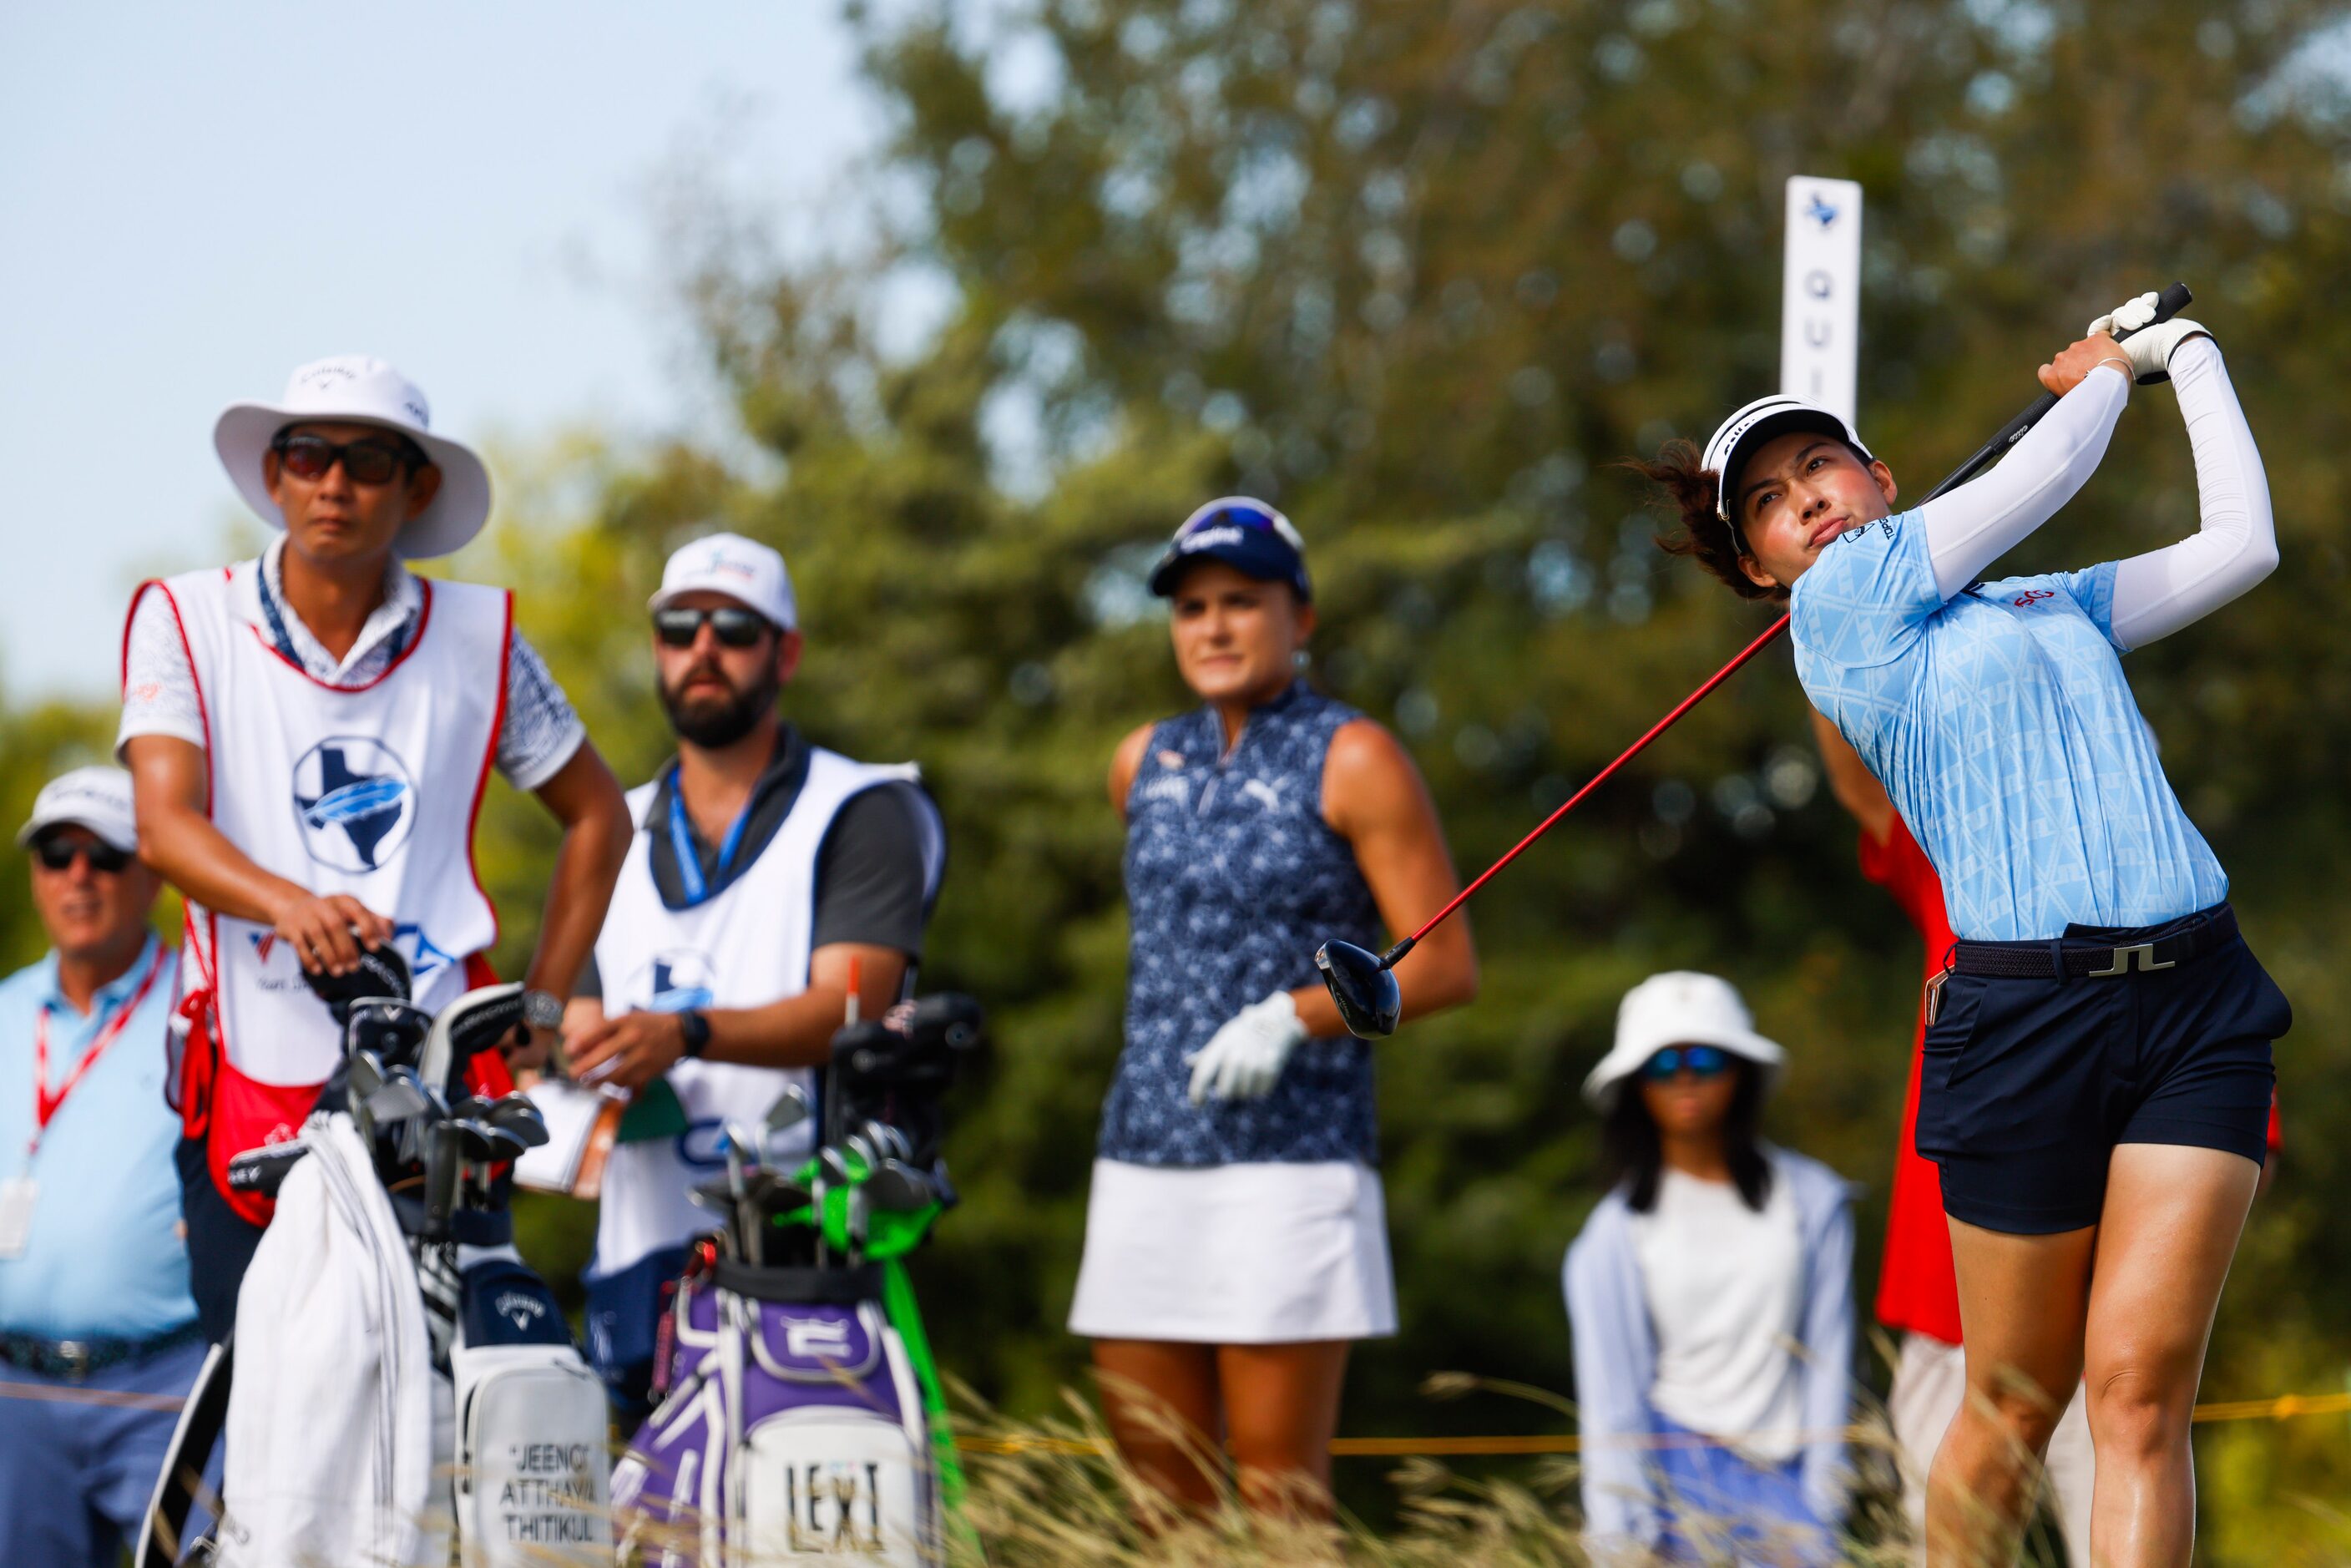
(528, 1455)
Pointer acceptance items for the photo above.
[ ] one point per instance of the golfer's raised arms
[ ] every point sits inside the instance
(1984, 518)
(2236, 546)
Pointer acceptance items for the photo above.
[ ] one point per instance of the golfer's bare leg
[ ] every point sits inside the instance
(2172, 1217)
(1160, 1399)
(2022, 1302)
(1282, 1410)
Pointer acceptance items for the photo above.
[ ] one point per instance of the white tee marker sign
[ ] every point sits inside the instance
(1820, 293)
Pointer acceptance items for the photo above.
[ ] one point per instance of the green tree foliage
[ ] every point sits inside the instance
(1419, 272)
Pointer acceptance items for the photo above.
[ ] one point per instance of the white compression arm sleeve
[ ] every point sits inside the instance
(1984, 518)
(2158, 593)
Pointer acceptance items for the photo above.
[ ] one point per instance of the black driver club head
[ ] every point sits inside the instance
(1369, 1002)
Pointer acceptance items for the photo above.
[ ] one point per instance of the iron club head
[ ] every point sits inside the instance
(791, 1109)
(1369, 1002)
(517, 1115)
(899, 1188)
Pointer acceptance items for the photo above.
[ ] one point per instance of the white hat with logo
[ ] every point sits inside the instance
(1681, 1007)
(743, 570)
(357, 389)
(97, 799)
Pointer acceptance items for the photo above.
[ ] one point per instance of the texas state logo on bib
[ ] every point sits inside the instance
(354, 802)
(682, 980)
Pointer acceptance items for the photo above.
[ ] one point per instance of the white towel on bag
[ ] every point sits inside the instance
(330, 1434)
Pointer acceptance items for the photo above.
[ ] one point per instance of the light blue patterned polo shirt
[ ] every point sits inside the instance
(2000, 723)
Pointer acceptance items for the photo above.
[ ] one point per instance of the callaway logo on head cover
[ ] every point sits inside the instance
(519, 1308)
(353, 801)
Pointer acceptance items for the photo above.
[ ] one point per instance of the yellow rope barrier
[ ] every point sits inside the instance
(2285, 1408)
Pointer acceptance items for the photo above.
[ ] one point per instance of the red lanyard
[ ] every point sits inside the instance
(45, 1104)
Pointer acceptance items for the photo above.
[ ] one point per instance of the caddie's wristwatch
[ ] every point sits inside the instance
(542, 1009)
(697, 1032)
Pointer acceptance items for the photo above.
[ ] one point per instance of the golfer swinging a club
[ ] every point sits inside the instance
(2096, 1071)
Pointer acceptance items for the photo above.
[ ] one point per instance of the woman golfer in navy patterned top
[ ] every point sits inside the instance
(1236, 1242)
(2096, 1071)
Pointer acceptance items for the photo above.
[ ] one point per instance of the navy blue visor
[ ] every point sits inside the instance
(1247, 534)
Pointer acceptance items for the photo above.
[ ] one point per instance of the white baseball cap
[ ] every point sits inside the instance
(97, 799)
(1738, 438)
(1681, 1007)
(743, 570)
(360, 390)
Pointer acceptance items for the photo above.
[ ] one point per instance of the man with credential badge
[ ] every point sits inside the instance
(93, 1271)
(769, 878)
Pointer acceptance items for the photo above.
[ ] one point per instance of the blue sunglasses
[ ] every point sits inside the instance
(1703, 1061)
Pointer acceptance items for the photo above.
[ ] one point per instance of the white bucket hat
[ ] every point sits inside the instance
(1681, 1007)
(360, 390)
(97, 799)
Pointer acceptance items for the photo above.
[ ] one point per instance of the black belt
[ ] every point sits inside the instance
(80, 1357)
(2048, 960)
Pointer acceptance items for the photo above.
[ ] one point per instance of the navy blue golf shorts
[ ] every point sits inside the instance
(2147, 1035)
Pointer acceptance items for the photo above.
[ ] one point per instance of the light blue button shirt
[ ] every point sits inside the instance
(105, 1257)
(2000, 723)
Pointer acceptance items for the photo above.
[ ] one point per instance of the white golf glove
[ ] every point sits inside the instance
(2148, 346)
(1244, 1059)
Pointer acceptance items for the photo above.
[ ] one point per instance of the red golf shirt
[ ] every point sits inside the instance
(1916, 1291)
(1915, 1288)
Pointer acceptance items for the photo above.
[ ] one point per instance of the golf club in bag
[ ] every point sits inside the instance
(527, 1446)
(800, 1412)
(1363, 984)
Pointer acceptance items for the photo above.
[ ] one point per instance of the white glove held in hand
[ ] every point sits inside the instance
(2148, 346)
(1243, 1059)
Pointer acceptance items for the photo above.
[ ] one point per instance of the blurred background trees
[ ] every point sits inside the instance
(1418, 272)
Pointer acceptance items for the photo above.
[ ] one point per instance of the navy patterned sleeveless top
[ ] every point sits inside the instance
(1233, 879)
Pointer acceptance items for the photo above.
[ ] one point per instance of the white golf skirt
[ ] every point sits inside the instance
(1270, 1253)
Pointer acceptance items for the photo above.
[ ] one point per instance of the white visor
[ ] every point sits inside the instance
(1738, 438)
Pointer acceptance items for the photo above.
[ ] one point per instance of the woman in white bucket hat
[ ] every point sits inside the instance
(309, 734)
(1709, 1296)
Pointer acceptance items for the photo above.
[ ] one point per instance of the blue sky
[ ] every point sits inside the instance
(194, 199)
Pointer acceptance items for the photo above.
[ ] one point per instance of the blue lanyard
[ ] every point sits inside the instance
(689, 858)
(285, 638)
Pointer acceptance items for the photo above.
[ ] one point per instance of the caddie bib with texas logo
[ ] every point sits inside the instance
(370, 790)
(745, 947)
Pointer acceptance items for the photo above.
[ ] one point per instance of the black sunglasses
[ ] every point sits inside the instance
(735, 627)
(365, 461)
(57, 852)
(1703, 1061)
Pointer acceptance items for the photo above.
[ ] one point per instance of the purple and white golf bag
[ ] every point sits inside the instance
(792, 1426)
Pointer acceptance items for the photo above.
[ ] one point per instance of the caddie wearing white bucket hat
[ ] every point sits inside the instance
(357, 389)
(329, 804)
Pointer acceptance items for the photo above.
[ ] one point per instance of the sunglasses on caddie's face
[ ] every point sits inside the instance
(368, 460)
(1703, 1061)
(57, 852)
(735, 626)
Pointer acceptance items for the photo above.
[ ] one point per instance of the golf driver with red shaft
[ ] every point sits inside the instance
(1363, 984)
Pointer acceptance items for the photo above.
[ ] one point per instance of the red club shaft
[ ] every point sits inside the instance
(1630, 752)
